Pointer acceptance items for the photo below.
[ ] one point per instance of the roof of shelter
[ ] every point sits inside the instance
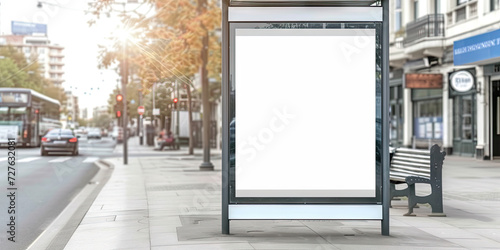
(303, 3)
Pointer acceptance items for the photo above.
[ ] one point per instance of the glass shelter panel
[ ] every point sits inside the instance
(304, 110)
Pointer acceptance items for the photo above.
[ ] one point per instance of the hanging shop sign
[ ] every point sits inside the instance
(462, 81)
(423, 81)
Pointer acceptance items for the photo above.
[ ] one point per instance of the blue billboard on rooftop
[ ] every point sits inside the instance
(23, 28)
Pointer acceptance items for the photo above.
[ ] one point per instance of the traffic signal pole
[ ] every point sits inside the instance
(124, 75)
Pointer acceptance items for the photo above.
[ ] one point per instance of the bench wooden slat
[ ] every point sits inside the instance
(409, 168)
(424, 156)
(406, 163)
(413, 151)
(404, 158)
(406, 173)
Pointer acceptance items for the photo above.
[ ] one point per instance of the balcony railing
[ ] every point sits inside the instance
(427, 26)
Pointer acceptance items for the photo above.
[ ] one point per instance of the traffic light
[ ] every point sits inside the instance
(175, 102)
(119, 106)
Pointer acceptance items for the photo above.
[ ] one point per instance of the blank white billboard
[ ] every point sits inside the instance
(305, 112)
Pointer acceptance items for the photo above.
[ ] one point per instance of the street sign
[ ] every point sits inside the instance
(140, 110)
(156, 111)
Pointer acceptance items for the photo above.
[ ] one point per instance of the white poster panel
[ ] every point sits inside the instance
(305, 112)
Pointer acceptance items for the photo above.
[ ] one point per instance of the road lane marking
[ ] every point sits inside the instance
(61, 159)
(29, 159)
(91, 159)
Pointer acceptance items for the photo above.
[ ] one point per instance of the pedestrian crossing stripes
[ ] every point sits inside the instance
(91, 159)
(61, 159)
(57, 160)
(29, 159)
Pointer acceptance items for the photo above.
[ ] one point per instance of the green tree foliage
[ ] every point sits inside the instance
(10, 75)
(18, 72)
(102, 121)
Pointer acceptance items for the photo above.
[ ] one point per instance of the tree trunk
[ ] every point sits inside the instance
(190, 120)
(206, 165)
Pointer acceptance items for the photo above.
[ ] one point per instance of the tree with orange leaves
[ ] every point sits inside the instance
(179, 40)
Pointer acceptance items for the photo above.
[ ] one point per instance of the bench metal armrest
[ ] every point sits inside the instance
(415, 179)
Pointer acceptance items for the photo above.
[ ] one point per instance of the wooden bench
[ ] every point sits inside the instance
(412, 166)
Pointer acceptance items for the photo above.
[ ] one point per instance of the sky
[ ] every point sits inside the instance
(67, 26)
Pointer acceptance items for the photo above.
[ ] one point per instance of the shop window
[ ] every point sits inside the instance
(427, 113)
(396, 115)
(464, 118)
(428, 120)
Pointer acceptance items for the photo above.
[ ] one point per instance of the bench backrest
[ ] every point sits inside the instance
(414, 162)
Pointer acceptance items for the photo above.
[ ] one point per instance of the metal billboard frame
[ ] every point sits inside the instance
(262, 11)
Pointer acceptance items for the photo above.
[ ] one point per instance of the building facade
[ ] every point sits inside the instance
(445, 80)
(49, 56)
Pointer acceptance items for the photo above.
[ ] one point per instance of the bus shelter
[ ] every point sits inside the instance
(305, 110)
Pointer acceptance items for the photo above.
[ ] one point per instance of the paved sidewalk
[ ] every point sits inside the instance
(166, 202)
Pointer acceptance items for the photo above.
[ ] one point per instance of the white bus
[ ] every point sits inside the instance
(26, 115)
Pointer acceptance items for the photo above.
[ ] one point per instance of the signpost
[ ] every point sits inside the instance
(140, 110)
(288, 160)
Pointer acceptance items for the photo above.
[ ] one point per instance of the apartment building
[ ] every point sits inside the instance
(49, 56)
(445, 75)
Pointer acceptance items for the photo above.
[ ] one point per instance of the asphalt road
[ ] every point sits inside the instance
(45, 186)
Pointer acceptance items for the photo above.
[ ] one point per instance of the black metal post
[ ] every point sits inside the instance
(225, 118)
(385, 119)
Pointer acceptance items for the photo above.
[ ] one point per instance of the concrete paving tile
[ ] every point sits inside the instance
(492, 234)
(391, 247)
(293, 246)
(476, 243)
(122, 244)
(205, 246)
(162, 229)
(450, 233)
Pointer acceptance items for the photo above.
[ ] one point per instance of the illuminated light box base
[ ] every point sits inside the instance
(305, 212)
(306, 193)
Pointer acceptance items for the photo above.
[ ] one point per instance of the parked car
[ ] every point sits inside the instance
(59, 140)
(94, 133)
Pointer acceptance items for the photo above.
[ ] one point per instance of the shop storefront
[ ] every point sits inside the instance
(427, 103)
(462, 91)
(476, 96)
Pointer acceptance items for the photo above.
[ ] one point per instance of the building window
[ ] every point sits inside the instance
(397, 16)
(459, 2)
(27, 50)
(494, 4)
(460, 15)
(415, 9)
(41, 50)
